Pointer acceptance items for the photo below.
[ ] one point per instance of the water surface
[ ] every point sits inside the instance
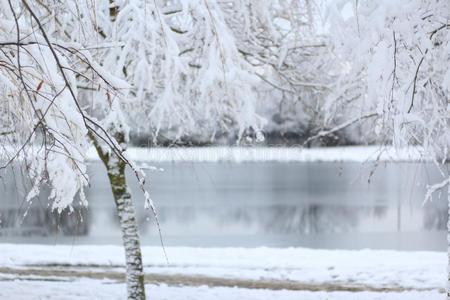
(317, 205)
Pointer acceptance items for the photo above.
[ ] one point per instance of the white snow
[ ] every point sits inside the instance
(280, 154)
(372, 268)
(96, 289)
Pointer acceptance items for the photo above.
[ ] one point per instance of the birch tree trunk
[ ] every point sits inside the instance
(115, 168)
(127, 217)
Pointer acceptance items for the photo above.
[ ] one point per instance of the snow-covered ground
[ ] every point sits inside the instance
(96, 289)
(96, 272)
(279, 154)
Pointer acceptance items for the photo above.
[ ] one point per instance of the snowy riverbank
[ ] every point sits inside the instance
(280, 154)
(87, 289)
(293, 270)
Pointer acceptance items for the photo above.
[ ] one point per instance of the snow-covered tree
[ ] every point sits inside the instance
(76, 73)
(395, 58)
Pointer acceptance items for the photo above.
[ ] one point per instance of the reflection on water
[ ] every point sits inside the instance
(326, 205)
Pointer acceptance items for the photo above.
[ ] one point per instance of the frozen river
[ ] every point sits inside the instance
(316, 205)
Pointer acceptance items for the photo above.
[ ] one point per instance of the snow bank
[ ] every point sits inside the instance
(375, 268)
(96, 289)
(279, 154)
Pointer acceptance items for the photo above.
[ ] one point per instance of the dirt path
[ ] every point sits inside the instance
(63, 273)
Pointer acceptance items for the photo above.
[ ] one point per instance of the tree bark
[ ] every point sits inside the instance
(127, 217)
(129, 228)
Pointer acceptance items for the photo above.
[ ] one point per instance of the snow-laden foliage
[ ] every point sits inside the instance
(42, 122)
(210, 68)
(194, 79)
(289, 50)
(77, 72)
(181, 62)
(395, 59)
(216, 67)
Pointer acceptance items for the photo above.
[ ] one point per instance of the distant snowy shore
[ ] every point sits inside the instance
(279, 154)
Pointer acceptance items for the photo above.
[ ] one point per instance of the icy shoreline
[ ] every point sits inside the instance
(278, 154)
(358, 154)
